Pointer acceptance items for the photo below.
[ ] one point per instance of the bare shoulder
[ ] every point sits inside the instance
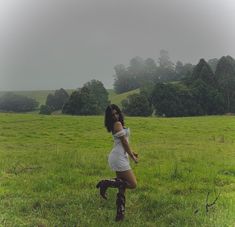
(117, 126)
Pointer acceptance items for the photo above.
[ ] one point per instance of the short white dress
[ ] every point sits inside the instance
(118, 158)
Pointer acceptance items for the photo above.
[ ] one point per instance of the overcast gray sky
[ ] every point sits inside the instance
(49, 44)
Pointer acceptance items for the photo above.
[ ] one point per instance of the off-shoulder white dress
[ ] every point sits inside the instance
(118, 158)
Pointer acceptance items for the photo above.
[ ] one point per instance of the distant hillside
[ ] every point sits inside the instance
(41, 95)
(38, 95)
(117, 98)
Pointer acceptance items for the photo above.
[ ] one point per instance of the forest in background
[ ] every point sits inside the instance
(164, 89)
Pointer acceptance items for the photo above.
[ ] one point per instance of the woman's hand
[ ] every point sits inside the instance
(135, 157)
(135, 154)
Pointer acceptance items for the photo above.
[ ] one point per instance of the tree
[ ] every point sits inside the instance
(137, 66)
(99, 93)
(204, 88)
(91, 99)
(141, 72)
(50, 101)
(166, 100)
(81, 102)
(72, 105)
(44, 109)
(56, 101)
(189, 105)
(165, 71)
(146, 72)
(150, 66)
(202, 71)
(150, 74)
(174, 100)
(183, 71)
(137, 105)
(225, 77)
(164, 60)
(17, 103)
(213, 63)
(147, 91)
(179, 68)
(208, 98)
(124, 80)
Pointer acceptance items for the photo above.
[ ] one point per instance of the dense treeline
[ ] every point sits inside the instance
(166, 89)
(91, 99)
(225, 77)
(203, 92)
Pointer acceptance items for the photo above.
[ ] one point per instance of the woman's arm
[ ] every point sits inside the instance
(127, 148)
(118, 127)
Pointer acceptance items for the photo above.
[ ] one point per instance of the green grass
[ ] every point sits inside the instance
(117, 98)
(49, 166)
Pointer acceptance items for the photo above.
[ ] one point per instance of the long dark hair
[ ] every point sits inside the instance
(109, 120)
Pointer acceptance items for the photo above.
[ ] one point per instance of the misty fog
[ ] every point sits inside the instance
(52, 44)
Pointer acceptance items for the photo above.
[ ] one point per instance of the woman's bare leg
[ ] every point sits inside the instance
(129, 177)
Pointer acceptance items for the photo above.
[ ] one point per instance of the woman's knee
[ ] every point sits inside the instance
(133, 185)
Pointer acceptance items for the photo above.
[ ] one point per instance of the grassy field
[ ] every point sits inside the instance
(117, 98)
(49, 166)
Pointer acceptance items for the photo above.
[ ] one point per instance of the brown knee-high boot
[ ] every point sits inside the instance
(120, 202)
(113, 183)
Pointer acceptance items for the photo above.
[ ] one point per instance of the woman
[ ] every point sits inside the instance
(118, 159)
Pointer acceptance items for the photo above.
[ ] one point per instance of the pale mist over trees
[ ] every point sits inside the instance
(142, 72)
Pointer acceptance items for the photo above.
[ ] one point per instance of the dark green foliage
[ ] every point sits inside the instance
(125, 79)
(188, 103)
(137, 105)
(183, 71)
(203, 95)
(206, 92)
(208, 98)
(71, 105)
(147, 91)
(50, 100)
(57, 100)
(124, 83)
(164, 75)
(44, 109)
(198, 96)
(202, 71)
(225, 76)
(99, 93)
(17, 103)
(91, 99)
(164, 100)
(172, 100)
(81, 102)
